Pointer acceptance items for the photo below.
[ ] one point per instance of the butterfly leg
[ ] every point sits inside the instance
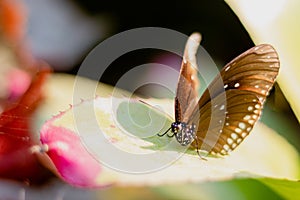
(161, 135)
(198, 152)
(170, 136)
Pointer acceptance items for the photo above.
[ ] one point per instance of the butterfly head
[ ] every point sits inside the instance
(184, 133)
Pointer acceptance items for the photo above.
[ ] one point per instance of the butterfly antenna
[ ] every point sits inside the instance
(155, 108)
(161, 135)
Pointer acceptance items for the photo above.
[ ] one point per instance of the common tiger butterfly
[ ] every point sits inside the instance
(223, 116)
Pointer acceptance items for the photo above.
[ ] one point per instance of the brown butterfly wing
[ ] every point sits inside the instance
(187, 92)
(187, 89)
(225, 115)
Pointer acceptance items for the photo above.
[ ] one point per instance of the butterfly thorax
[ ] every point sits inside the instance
(184, 133)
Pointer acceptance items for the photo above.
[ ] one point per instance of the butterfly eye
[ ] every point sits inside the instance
(175, 127)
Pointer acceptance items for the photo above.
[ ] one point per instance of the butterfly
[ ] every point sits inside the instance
(230, 106)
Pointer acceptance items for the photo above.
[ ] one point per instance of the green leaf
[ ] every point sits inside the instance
(285, 188)
(121, 134)
(235, 189)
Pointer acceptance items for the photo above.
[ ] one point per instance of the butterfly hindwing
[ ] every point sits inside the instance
(225, 123)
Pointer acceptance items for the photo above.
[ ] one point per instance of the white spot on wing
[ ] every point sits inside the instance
(247, 117)
(239, 140)
(251, 121)
(233, 145)
(237, 130)
(222, 107)
(257, 106)
(229, 141)
(237, 85)
(234, 136)
(226, 147)
(242, 125)
(256, 112)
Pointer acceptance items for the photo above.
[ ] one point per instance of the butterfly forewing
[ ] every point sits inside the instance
(226, 114)
(186, 92)
(187, 89)
(254, 70)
